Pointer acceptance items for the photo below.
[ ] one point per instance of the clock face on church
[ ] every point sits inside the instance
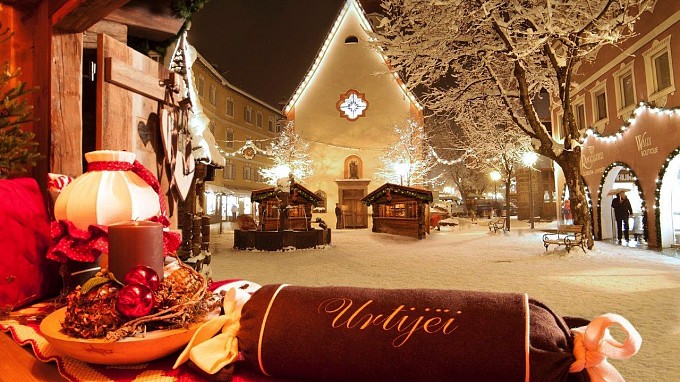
(352, 105)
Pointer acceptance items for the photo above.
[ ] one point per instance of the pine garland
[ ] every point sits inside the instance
(17, 148)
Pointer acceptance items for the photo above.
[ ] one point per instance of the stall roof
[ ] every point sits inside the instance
(415, 193)
(295, 189)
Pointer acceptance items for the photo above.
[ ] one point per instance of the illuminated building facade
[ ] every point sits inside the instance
(235, 117)
(345, 109)
(627, 102)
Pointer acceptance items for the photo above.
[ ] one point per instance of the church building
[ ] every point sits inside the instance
(345, 108)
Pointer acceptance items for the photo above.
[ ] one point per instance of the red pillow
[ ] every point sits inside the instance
(25, 274)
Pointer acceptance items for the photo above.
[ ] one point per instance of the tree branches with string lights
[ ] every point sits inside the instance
(290, 154)
(410, 160)
(465, 53)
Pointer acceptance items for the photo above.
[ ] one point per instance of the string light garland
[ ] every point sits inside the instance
(657, 192)
(366, 25)
(445, 161)
(423, 195)
(642, 106)
(606, 171)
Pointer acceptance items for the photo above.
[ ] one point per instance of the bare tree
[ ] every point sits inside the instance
(500, 54)
(485, 145)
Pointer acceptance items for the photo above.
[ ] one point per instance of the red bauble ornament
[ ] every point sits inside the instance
(135, 300)
(143, 275)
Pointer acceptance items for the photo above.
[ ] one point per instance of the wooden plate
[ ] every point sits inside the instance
(153, 345)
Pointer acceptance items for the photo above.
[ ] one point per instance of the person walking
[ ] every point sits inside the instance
(234, 211)
(622, 211)
(338, 216)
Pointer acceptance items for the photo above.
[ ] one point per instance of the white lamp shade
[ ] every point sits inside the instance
(107, 197)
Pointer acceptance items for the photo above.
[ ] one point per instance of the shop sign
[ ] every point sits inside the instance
(589, 158)
(644, 145)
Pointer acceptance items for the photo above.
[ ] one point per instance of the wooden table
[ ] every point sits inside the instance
(19, 363)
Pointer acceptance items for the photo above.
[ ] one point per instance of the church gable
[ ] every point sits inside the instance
(344, 76)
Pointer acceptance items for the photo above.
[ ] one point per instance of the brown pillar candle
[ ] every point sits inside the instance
(135, 243)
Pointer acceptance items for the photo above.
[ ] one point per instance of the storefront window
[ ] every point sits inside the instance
(399, 210)
(675, 207)
(247, 206)
(210, 203)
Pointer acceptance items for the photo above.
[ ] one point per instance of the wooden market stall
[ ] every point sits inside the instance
(285, 221)
(279, 210)
(400, 210)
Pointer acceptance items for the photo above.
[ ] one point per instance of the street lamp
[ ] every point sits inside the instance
(529, 158)
(495, 176)
(401, 169)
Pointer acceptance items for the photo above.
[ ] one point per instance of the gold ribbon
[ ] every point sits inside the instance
(212, 352)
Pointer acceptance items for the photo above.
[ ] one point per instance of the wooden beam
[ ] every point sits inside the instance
(41, 77)
(77, 16)
(150, 19)
(138, 81)
(114, 29)
(66, 103)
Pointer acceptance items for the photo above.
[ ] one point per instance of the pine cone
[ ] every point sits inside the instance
(177, 288)
(93, 314)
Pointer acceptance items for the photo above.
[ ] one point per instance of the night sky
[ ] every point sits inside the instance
(263, 47)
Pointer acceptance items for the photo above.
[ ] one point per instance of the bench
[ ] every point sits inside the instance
(497, 223)
(568, 235)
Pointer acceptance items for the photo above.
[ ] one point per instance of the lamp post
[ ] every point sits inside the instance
(402, 169)
(495, 176)
(529, 158)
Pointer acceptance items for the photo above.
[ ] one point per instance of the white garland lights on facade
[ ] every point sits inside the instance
(366, 25)
(642, 106)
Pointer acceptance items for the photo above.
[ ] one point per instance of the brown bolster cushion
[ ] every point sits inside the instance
(361, 334)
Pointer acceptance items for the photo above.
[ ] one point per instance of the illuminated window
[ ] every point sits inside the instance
(352, 105)
(228, 170)
(211, 203)
(230, 138)
(248, 114)
(559, 134)
(406, 210)
(247, 172)
(230, 106)
(659, 69)
(580, 112)
(213, 95)
(323, 204)
(272, 124)
(599, 101)
(258, 119)
(625, 89)
(200, 85)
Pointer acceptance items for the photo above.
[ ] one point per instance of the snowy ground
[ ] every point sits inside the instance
(641, 285)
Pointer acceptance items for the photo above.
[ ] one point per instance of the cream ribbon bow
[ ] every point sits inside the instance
(212, 352)
(593, 344)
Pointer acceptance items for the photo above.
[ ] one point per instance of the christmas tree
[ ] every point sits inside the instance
(17, 148)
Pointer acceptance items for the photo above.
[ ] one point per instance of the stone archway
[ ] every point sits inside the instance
(620, 175)
(668, 202)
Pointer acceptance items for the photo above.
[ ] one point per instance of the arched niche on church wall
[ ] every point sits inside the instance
(354, 167)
